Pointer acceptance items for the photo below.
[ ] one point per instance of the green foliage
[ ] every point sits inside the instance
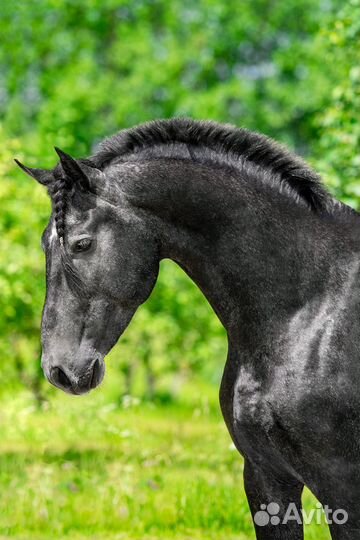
(338, 149)
(81, 70)
(24, 210)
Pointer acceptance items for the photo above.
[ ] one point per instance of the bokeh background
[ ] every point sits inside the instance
(146, 456)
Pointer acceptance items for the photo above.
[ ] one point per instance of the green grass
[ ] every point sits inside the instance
(87, 468)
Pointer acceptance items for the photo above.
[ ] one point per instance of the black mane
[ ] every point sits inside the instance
(207, 140)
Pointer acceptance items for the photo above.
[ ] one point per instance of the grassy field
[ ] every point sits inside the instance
(89, 468)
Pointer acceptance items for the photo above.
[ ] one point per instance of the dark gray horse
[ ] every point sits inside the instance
(277, 258)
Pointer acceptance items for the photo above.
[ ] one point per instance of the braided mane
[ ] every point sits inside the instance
(59, 195)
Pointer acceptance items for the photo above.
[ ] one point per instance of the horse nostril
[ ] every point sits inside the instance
(60, 378)
(96, 374)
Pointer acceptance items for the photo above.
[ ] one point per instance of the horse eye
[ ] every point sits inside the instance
(83, 245)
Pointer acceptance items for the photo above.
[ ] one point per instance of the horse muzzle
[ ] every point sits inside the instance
(73, 381)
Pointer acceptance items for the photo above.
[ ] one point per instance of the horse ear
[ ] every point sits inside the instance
(88, 178)
(73, 170)
(41, 175)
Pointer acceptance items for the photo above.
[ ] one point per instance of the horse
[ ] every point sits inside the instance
(276, 256)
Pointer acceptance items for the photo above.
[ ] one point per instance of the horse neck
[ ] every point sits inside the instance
(257, 255)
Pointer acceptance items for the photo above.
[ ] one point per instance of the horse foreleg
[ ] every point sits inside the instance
(271, 501)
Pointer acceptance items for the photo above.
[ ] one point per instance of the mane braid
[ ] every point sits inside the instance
(205, 140)
(59, 194)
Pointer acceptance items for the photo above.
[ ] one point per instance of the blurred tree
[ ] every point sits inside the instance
(21, 273)
(76, 71)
